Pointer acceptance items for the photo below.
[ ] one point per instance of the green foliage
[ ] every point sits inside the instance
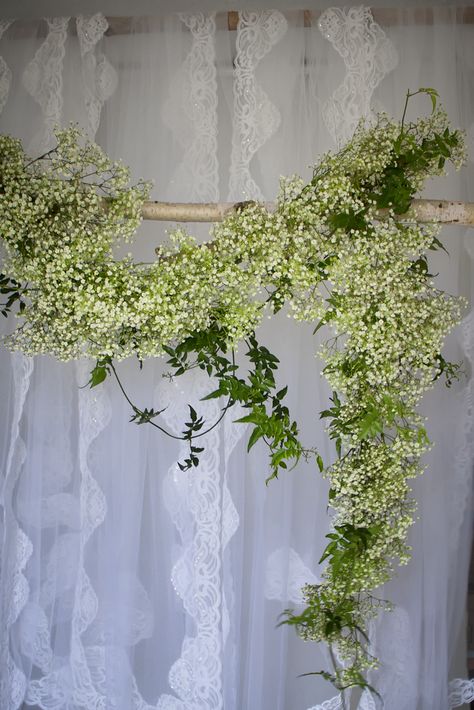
(343, 250)
(14, 294)
(99, 372)
(258, 392)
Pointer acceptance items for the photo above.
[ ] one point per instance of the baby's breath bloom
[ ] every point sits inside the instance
(325, 252)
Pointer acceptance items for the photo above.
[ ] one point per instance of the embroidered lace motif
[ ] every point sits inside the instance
(99, 76)
(368, 55)
(191, 112)
(255, 117)
(5, 71)
(16, 546)
(460, 692)
(230, 523)
(43, 79)
(72, 679)
(57, 560)
(205, 526)
(285, 575)
(366, 702)
(332, 704)
(462, 486)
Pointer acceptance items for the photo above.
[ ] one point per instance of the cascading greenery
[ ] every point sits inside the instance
(334, 252)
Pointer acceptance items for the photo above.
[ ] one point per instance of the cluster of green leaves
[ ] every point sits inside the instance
(193, 429)
(258, 392)
(338, 617)
(337, 610)
(380, 417)
(412, 158)
(14, 293)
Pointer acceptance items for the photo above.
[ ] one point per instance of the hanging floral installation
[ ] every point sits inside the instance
(342, 251)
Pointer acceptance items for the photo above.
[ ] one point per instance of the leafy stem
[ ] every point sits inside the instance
(432, 93)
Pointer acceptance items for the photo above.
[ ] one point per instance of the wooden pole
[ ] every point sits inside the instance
(442, 211)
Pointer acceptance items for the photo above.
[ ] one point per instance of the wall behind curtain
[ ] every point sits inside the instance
(125, 583)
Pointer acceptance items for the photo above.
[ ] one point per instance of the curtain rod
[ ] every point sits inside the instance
(442, 211)
(386, 17)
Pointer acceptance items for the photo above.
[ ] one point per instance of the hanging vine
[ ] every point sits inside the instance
(328, 255)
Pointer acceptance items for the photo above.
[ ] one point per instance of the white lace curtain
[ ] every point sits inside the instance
(125, 583)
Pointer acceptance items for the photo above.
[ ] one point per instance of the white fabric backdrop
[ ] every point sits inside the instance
(124, 582)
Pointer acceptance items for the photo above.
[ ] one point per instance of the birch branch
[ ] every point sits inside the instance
(194, 211)
(442, 211)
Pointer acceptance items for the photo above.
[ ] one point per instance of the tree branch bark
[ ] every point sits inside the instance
(442, 211)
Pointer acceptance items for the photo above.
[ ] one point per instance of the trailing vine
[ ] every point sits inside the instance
(341, 251)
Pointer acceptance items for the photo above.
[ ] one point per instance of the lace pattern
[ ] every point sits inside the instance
(43, 79)
(16, 546)
(73, 680)
(35, 637)
(194, 500)
(462, 486)
(285, 575)
(366, 702)
(191, 112)
(391, 637)
(334, 703)
(5, 71)
(233, 433)
(256, 118)
(99, 76)
(368, 56)
(460, 692)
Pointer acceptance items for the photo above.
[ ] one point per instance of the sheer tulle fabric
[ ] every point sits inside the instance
(124, 582)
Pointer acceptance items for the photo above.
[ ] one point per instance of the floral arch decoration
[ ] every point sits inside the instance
(342, 251)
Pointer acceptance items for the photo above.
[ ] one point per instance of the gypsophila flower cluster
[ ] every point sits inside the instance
(335, 252)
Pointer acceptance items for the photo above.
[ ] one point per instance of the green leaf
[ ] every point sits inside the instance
(320, 325)
(371, 424)
(436, 244)
(254, 418)
(433, 94)
(98, 375)
(282, 393)
(215, 394)
(256, 434)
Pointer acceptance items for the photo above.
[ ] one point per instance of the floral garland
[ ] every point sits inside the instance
(335, 252)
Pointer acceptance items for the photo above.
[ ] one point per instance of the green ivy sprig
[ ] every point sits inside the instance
(208, 350)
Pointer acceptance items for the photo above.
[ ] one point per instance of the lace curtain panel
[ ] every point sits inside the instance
(126, 584)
